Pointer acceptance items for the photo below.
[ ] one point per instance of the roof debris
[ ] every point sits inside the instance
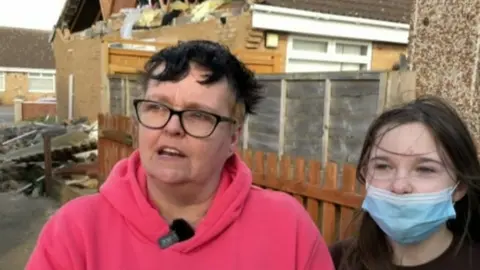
(73, 155)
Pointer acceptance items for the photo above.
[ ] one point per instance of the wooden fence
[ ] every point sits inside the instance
(330, 202)
(321, 116)
(114, 142)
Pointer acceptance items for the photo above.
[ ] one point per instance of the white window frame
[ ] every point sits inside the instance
(330, 55)
(3, 79)
(41, 76)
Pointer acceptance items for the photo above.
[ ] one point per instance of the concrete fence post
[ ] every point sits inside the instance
(17, 109)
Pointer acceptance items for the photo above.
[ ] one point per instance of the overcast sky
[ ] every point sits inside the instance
(34, 14)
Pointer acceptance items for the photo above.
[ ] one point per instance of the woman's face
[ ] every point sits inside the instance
(406, 160)
(201, 158)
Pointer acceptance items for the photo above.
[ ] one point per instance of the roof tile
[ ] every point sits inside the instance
(384, 10)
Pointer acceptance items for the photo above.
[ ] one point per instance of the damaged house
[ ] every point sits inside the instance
(99, 45)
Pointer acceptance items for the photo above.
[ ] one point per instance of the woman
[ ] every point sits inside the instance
(421, 209)
(184, 199)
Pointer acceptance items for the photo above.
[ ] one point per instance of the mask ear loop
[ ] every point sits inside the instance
(453, 188)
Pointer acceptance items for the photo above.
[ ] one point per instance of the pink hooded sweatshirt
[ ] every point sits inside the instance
(246, 228)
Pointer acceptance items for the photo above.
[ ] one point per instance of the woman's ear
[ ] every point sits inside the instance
(237, 132)
(460, 192)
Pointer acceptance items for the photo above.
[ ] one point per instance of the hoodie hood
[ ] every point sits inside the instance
(126, 190)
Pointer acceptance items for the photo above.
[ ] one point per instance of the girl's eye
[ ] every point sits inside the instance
(381, 167)
(426, 170)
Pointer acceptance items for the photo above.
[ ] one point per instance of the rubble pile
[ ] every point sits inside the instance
(18, 136)
(22, 152)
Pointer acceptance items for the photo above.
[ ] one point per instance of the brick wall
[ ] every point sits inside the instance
(34, 110)
(385, 55)
(16, 85)
(82, 59)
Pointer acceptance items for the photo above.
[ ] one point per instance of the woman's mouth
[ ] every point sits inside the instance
(170, 152)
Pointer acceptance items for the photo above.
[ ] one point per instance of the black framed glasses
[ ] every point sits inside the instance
(196, 123)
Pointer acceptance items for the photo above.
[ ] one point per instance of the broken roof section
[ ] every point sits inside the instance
(78, 15)
(147, 15)
(25, 48)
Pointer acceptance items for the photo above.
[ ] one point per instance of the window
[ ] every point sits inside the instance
(306, 54)
(2, 81)
(41, 82)
(308, 45)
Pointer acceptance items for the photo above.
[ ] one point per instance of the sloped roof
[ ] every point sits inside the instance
(25, 48)
(383, 10)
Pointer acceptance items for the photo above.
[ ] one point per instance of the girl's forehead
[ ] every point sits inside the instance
(413, 139)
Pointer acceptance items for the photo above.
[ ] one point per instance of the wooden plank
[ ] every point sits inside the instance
(314, 180)
(347, 213)
(285, 164)
(130, 61)
(272, 169)
(118, 136)
(329, 216)
(248, 157)
(89, 168)
(118, 69)
(259, 167)
(299, 177)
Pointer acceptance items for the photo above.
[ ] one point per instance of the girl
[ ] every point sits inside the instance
(421, 210)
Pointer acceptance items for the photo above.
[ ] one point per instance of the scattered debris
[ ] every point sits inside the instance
(22, 157)
(161, 13)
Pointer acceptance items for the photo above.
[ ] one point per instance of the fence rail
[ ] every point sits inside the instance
(330, 200)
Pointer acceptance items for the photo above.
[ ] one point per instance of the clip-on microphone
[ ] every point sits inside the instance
(180, 231)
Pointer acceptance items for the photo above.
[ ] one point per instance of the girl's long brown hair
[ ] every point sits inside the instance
(371, 249)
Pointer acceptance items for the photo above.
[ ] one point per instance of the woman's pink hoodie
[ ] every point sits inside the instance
(246, 228)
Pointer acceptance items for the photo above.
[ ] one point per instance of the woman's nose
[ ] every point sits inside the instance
(174, 126)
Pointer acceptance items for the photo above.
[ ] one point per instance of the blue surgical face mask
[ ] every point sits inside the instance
(410, 218)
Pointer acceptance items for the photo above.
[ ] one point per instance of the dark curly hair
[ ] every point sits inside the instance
(211, 55)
